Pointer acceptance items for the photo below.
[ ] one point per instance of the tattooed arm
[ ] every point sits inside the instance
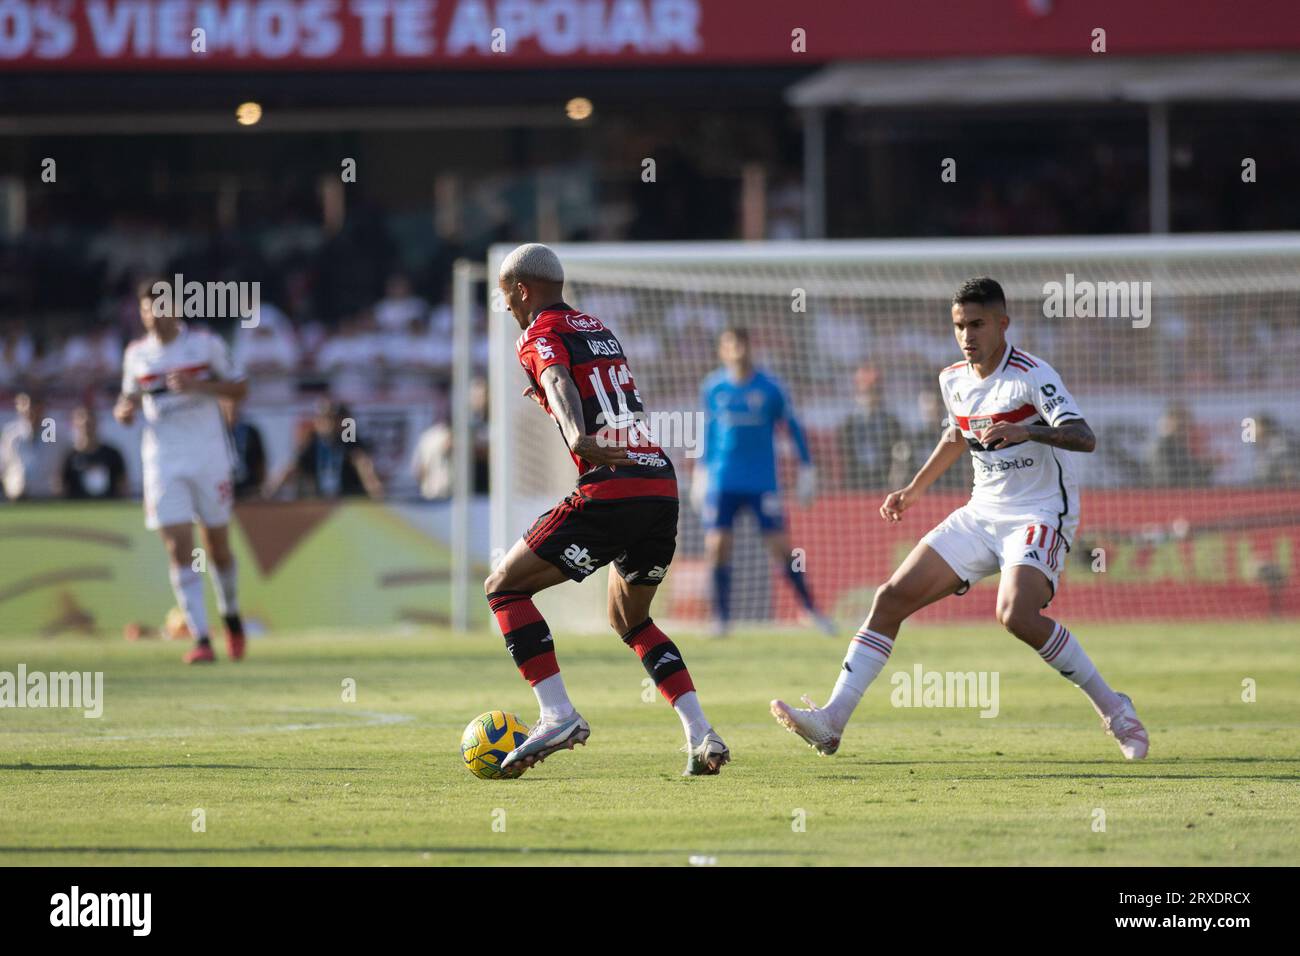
(1073, 435)
(566, 407)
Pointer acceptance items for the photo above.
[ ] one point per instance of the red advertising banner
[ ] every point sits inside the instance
(1189, 554)
(429, 34)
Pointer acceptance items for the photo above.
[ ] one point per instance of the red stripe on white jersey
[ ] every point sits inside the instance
(1019, 356)
(1018, 415)
(184, 369)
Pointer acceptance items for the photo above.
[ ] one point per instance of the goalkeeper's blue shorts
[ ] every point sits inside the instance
(721, 508)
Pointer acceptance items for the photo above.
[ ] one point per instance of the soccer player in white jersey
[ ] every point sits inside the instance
(1023, 429)
(176, 375)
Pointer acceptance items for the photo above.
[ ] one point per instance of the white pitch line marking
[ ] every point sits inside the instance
(365, 718)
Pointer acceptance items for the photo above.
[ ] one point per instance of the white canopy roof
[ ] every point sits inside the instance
(1096, 78)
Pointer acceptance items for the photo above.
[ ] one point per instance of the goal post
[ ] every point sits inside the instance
(1179, 349)
(466, 277)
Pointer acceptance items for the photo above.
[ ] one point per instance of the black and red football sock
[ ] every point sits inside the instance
(661, 659)
(528, 638)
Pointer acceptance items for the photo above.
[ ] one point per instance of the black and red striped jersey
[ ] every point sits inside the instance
(611, 405)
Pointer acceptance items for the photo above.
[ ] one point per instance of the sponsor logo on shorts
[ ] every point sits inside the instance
(657, 573)
(579, 558)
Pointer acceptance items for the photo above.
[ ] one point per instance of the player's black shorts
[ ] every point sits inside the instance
(581, 534)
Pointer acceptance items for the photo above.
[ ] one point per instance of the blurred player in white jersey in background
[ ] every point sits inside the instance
(176, 375)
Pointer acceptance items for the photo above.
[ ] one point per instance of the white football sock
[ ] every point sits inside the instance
(187, 586)
(866, 658)
(692, 716)
(553, 698)
(1064, 652)
(227, 581)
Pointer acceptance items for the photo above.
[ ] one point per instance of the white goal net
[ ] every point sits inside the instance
(1181, 351)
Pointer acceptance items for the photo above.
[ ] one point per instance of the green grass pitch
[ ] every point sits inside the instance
(286, 772)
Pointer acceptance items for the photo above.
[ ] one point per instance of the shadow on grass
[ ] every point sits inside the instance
(166, 766)
(1276, 777)
(1001, 761)
(431, 850)
(1000, 769)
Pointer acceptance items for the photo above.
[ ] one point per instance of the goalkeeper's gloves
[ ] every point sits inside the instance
(699, 488)
(805, 485)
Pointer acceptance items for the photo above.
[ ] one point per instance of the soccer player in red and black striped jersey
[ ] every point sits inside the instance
(623, 510)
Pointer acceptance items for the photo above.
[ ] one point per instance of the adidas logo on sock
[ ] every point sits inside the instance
(668, 657)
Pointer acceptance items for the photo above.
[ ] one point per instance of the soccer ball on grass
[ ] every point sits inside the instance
(487, 740)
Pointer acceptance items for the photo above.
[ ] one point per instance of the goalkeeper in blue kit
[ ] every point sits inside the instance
(737, 471)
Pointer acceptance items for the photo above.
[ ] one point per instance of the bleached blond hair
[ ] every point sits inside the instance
(532, 260)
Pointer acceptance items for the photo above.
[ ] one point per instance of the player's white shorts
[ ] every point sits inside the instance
(205, 497)
(976, 544)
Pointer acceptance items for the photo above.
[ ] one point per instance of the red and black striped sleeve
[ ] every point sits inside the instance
(539, 348)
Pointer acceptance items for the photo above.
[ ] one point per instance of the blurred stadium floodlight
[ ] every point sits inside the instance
(286, 120)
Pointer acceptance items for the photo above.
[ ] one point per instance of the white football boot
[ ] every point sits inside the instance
(813, 725)
(1127, 730)
(706, 759)
(546, 737)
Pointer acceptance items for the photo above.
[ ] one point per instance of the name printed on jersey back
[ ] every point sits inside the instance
(612, 409)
